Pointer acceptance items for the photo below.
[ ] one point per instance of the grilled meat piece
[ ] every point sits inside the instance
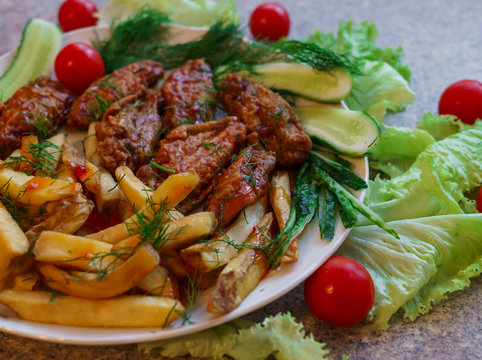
(39, 108)
(189, 95)
(204, 149)
(241, 184)
(129, 131)
(269, 115)
(131, 79)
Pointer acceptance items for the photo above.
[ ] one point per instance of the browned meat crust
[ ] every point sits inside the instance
(204, 149)
(131, 79)
(189, 94)
(38, 108)
(241, 184)
(269, 115)
(129, 131)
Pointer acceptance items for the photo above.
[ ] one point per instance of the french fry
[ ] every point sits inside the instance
(71, 250)
(133, 188)
(102, 284)
(243, 273)
(85, 171)
(171, 260)
(26, 152)
(35, 190)
(66, 173)
(131, 311)
(66, 216)
(280, 197)
(158, 282)
(183, 231)
(56, 151)
(170, 193)
(26, 280)
(91, 146)
(13, 242)
(218, 251)
(109, 195)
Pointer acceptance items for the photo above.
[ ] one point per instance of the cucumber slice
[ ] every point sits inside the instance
(35, 55)
(349, 132)
(302, 80)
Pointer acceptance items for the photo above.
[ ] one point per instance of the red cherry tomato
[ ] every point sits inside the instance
(340, 292)
(479, 200)
(269, 20)
(78, 65)
(462, 99)
(76, 14)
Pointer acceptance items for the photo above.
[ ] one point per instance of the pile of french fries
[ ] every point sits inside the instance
(52, 271)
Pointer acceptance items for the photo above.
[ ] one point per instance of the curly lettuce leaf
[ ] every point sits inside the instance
(383, 83)
(434, 256)
(398, 148)
(280, 336)
(442, 126)
(184, 12)
(358, 40)
(436, 182)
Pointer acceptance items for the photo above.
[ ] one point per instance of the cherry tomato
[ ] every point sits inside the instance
(269, 20)
(340, 292)
(479, 200)
(78, 65)
(76, 14)
(462, 99)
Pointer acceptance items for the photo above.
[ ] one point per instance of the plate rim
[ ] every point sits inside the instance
(128, 335)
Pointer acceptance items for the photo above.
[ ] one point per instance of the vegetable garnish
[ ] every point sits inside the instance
(78, 65)
(143, 36)
(269, 20)
(76, 14)
(279, 336)
(463, 99)
(340, 292)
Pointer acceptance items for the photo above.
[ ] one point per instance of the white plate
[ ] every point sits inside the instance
(312, 253)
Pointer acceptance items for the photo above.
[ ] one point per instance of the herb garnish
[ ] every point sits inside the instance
(143, 36)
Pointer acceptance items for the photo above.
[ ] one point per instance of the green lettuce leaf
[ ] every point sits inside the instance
(398, 148)
(383, 83)
(436, 182)
(280, 336)
(358, 40)
(434, 256)
(442, 126)
(379, 90)
(184, 12)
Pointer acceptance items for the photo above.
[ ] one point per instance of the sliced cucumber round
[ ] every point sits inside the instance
(39, 45)
(302, 80)
(349, 132)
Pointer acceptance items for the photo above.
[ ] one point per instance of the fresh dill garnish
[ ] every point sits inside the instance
(162, 168)
(143, 36)
(52, 296)
(43, 162)
(43, 128)
(151, 225)
(133, 39)
(98, 108)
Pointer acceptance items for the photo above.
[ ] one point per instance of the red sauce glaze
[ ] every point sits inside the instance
(80, 171)
(98, 222)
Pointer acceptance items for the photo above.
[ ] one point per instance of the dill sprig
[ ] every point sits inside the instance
(133, 39)
(222, 46)
(43, 162)
(151, 225)
(22, 214)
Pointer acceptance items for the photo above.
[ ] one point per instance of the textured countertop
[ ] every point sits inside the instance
(443, 43)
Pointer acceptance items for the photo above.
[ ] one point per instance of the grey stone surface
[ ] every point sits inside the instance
(442, 40)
